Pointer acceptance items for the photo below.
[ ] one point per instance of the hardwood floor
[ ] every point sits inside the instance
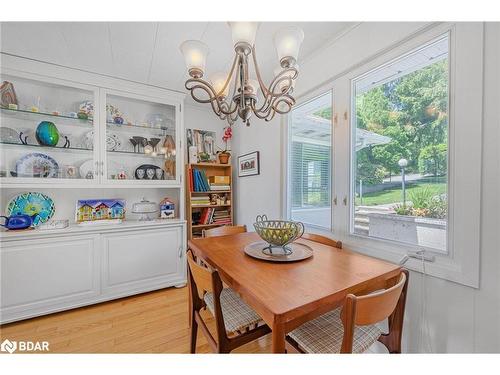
(155, 322)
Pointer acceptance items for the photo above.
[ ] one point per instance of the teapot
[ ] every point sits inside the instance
(20, 221)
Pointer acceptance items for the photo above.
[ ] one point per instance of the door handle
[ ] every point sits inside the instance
(345, 201)
(335, 201)
(102, 168)
(180, 251)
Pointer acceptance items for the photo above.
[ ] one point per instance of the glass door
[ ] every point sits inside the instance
(47, 131)
(141, 140)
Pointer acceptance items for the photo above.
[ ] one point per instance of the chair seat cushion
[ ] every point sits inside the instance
(237, 314)
(325, 333)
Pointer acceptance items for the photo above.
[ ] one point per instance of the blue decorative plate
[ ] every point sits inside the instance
(37, 165)
(37, 205)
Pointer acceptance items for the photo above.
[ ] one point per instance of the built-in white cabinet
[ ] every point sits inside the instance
(136, 259)
(44, 272)
(66, 134)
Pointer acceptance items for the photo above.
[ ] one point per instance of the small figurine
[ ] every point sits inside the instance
(122, 175)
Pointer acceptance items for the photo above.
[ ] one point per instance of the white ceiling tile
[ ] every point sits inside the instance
(89, 46)
(36, 40)
(132, 46)
(168, 66)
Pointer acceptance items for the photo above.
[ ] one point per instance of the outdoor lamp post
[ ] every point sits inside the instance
(402, 164)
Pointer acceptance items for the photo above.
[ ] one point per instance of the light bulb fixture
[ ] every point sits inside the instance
(234, 95)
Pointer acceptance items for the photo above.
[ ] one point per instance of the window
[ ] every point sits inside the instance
(309, 167)
(399, 149)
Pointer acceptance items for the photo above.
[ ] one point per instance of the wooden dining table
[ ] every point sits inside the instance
(286, 295)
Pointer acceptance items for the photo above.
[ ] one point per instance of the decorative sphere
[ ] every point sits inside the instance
(47, 134)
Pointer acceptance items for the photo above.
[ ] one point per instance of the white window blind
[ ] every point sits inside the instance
(310, 162)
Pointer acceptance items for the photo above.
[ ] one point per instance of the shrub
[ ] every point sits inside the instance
(421, 198)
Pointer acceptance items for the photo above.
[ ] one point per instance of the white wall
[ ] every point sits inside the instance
(261, 194)
(457, 318)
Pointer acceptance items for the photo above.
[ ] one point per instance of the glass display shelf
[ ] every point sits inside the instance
(40, 116)
(167, 129)
(47, 148)
(138, 154)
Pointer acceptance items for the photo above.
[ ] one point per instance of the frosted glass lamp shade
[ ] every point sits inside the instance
(287, 42)
(195, 54)
(218, 80)
(243, 32)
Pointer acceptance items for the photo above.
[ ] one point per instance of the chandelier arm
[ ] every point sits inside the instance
(228, 80)
(200, 84)
(263, 87)
(262, 114)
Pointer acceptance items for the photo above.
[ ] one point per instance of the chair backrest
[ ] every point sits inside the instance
(202, 276)
(224, 230)
(322, 239)
(370, 309)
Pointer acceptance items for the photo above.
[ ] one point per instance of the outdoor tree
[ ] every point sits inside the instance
(433, 160)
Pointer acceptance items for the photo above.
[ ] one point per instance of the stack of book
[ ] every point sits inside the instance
(198, 180)
(201, 200)
(207, 216)
(221, 217)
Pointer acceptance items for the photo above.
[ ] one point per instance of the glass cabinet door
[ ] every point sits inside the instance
(140, 140)
(46, 131)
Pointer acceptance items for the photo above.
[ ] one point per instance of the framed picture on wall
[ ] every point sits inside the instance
(249, 164)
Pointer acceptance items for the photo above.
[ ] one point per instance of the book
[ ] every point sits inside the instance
(220, 187)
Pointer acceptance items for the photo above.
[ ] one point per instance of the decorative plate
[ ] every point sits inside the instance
(39, 206)
(87, 169)
(8, 135)
(260, 250)
(113, 141)
(37, 165)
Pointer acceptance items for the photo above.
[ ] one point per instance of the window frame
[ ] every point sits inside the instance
(465, 60)
(352, 157)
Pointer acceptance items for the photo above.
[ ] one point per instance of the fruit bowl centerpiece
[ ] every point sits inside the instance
(278, 234)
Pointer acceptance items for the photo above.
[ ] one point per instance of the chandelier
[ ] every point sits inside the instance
(235, 94)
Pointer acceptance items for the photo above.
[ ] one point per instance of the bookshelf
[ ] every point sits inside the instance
(200, 204)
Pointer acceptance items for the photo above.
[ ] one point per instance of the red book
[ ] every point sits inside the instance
(190, 179)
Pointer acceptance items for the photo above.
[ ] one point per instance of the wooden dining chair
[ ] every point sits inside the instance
(352, 328)
(235, 322)
(322, 240)
(225, 230)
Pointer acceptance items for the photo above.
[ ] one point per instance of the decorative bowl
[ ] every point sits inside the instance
(278, 233)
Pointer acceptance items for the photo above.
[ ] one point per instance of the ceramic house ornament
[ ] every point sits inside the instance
(167, 209)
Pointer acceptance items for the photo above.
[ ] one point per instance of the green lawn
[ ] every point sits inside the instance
(396, 196)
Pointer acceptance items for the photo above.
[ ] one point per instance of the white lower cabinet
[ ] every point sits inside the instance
(136, 260)
(45, 275)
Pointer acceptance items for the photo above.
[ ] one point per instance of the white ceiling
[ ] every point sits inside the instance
(148, 52)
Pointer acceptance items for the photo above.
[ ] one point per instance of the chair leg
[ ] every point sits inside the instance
(194, 333)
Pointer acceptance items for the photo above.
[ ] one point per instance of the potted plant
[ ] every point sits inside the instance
(225, 154)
